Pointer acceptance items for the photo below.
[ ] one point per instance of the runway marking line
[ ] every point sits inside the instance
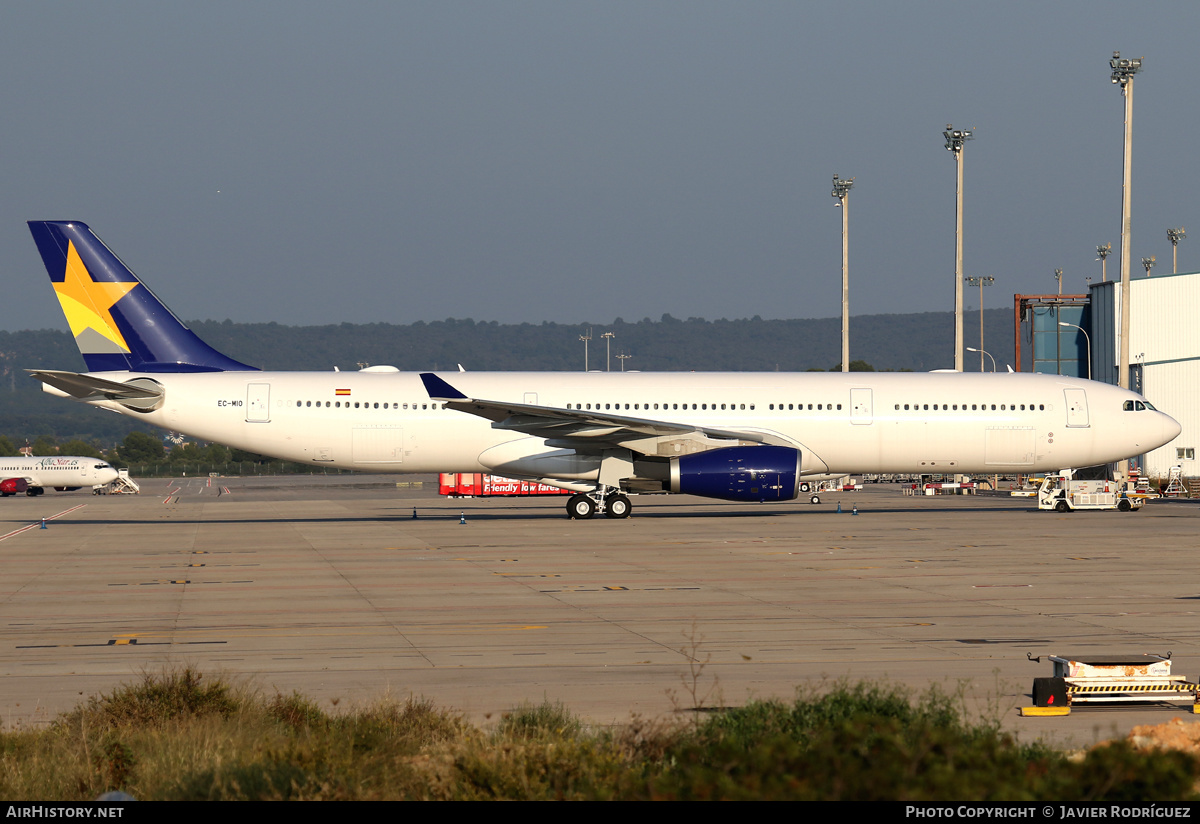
(589, 588)
(119, 642)
(37, 524)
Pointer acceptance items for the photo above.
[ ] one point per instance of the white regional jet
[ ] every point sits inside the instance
(33, 476)
(734, 436)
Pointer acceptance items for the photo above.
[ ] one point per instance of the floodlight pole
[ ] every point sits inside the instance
(585, 339)
(841, 190)
(622, 358)
(1104, 251)
(1122, 74)
(1058, 277)
(955, 138)
(1175, 235)
(608, 336)
(1148, 264)
(982, 282)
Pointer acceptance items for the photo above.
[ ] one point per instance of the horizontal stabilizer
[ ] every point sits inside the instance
(90, 388)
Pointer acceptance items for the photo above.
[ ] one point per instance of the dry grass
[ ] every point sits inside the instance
(180, 735)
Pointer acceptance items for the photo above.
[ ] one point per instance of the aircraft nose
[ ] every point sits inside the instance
(1170, 427)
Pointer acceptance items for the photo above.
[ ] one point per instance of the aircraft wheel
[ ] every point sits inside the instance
(1062, 506)
(617, 506)
(815, 499)
(1124, 506)
(805, 488)
(580, 507)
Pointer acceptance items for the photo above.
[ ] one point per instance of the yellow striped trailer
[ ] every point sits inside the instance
(1111, 679)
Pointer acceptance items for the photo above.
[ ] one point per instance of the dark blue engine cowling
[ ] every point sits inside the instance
(739, 473)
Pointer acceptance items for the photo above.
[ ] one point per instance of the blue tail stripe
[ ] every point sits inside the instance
(144, 335)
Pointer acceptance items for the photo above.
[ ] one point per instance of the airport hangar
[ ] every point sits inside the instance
(1164, 350)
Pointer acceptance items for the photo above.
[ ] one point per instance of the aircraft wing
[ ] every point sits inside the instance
(585, 430)
(90, 388)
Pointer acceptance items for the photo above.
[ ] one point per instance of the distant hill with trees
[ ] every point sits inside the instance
(917, 342)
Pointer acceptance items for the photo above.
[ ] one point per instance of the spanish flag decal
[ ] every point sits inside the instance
(340, 392)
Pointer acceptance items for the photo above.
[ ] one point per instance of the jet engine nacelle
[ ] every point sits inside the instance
(739, 473)
(11, 486)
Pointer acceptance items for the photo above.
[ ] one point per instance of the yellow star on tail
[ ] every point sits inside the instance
(86, 303)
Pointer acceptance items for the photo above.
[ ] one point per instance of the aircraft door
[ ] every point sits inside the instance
(860, 406)
(258, 402)
(1077, 408)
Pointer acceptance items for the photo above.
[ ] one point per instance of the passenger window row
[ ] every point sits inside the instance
(368, 405)
(975, 407)
(665, 407)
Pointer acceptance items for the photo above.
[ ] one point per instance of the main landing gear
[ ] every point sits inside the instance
(613, 504)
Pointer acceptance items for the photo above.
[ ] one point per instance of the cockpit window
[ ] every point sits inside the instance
(1150, 406)
(1128, 406)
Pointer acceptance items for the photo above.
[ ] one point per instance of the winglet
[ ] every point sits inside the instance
(438, 389)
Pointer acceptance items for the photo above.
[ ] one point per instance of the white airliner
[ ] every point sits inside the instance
(734, 436)
(33, 476)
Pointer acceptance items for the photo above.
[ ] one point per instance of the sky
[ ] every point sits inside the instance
(315, 163)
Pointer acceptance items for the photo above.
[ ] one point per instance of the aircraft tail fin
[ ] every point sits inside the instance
(118, 323)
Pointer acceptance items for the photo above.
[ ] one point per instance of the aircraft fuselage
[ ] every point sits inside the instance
(58, 471)
(841, 422)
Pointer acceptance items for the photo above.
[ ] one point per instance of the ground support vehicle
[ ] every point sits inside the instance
(481, 485)
(1064, 494)
(1109, 679)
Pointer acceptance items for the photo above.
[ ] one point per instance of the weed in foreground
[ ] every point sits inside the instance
(296, 711)
(157, 698)
(547, 719)
(179, 736)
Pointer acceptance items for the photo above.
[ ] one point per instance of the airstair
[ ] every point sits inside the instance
(123, 485)
(1175, 487)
